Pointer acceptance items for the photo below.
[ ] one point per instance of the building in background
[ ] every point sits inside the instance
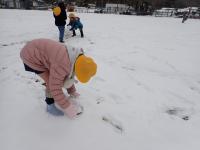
(23, 4)
(10, 4)
(116, 8)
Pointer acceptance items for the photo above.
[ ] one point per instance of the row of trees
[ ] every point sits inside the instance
(154, 3)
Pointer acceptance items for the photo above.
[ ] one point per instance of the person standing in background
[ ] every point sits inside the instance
(60, 16)
(186, 15)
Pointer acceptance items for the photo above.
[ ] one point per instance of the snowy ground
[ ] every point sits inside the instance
(145, 96)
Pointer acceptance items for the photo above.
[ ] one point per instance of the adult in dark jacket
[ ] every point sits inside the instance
(60, 21)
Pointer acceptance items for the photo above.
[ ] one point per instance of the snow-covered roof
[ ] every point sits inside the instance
(168, 9)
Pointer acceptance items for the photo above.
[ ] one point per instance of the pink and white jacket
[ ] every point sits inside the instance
(57, 62)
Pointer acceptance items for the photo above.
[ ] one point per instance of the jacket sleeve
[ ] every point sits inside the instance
(56, 80)
(72, 24)
(63, 15)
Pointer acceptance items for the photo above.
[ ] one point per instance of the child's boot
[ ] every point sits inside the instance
(74, 33)
(52, 109)
(81, 31)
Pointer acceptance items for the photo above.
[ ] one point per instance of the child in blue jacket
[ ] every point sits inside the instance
(75, 24)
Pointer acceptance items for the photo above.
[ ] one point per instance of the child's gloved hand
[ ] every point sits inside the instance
(52, 109)
(73, 110)
(68, 27)
(74, 95)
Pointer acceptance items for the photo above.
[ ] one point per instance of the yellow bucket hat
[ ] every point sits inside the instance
(56, 11)
(85, 68)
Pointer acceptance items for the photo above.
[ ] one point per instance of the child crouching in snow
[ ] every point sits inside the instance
(75, 24)
(57, 65)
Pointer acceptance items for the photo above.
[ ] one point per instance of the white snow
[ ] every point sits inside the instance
(145, 96)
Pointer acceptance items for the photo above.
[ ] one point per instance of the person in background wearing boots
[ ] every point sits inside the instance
(58, 65)
(75, 24)
(60, 16)
(186, 15)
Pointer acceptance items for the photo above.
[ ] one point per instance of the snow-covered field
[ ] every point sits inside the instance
(145, 96)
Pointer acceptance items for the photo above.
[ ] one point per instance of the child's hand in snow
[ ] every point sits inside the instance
(73, 110)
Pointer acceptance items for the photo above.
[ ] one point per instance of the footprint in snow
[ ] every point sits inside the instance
(29, 79)
(90, 41)
(116, 124)
(2, 69)
(128, 68)
(193, 88)
(13, 43)
(100, 100)
(179, 112)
